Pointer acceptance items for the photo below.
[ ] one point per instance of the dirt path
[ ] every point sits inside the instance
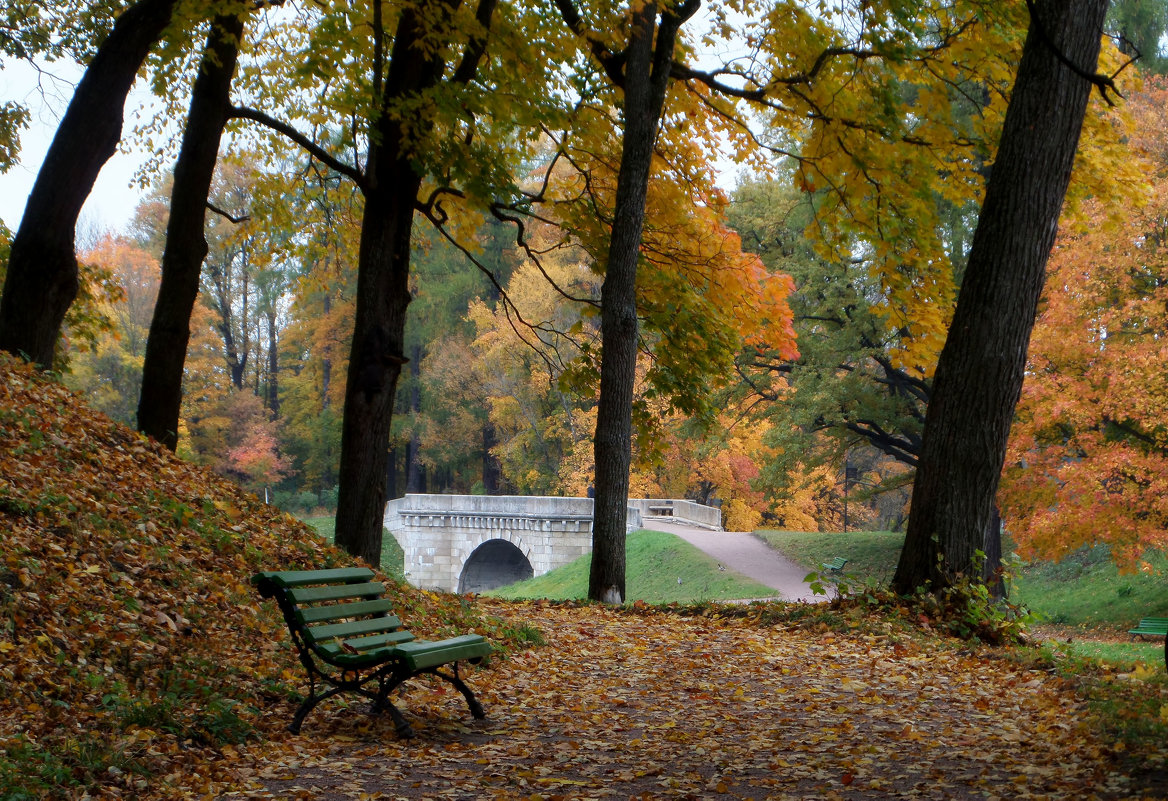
(748, 555)
(656, 706)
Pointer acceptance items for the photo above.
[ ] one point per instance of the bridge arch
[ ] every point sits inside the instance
(495, 563)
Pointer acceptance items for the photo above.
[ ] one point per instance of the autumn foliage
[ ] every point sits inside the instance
(1088, 459)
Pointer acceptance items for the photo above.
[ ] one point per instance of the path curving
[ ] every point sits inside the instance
(747, 554)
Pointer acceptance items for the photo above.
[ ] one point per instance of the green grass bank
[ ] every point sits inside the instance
(660, 568)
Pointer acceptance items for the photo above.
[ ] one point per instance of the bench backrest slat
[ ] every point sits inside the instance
(337, 575)
(336, 592)
(362, 644)
(353, 628)
(338, 612)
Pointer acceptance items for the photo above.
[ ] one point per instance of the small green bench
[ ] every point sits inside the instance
(1151, 627)
(835, 566)
(348, 638)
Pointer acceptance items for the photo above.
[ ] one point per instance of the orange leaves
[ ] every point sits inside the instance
(1087, 461)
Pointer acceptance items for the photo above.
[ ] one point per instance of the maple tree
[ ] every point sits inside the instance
(108, 366)
(1086, 461)
(316, 339)
(421, 109)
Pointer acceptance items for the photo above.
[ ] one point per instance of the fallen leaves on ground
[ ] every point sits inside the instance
(654, 705)
(137, 662)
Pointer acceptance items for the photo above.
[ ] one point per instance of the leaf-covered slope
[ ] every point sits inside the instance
(131, 643)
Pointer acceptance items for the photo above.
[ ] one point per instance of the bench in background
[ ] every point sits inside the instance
(1151, 627)
(835, 565)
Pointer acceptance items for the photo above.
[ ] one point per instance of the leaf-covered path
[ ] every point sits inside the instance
(653, 705)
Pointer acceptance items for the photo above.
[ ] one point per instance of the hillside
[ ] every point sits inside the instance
(132, 647)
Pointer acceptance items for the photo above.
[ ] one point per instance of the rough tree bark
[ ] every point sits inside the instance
(376, 356)
(42, 267)
(186, 242)
(389, 183)
(979, 374)
(645, 78)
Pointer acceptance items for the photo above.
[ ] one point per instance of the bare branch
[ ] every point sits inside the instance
(237, 220)
(314, 150)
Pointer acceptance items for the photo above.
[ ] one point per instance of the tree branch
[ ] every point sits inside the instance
(237, 220)
(313, 149)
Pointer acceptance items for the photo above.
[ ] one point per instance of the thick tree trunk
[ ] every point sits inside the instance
(979, 374)
(383, 264)
(375, 361)
(186, 243)
(646, 75)
(42, 268)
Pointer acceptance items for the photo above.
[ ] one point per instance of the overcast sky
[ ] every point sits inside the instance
(111, 205)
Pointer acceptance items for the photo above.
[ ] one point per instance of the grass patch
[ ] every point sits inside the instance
(393, 558)
(871, 555)
(1121, 655)
(1086, 589)
(655, 561)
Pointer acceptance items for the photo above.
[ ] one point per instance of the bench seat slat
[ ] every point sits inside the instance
(336, 592)
(420, 655)
(353, 628)
(319, 614)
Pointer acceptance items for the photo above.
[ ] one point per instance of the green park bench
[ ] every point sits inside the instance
(1151, 627)
(349, 639)
(835, 566)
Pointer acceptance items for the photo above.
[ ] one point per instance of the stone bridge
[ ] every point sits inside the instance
(474, 543)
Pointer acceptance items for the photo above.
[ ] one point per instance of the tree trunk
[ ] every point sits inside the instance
(492, 470)
(42, 277)
(415, 470)
(186, 243)
(391, 475)
(979, 374)
(646, 76)
(375, 362)
(383, 264)
(273, 393)
(991, 572)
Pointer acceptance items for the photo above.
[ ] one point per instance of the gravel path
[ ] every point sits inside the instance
(747, 554)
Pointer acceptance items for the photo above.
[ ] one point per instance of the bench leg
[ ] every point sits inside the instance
(476, 709)
(400, 725)
(308, 705)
